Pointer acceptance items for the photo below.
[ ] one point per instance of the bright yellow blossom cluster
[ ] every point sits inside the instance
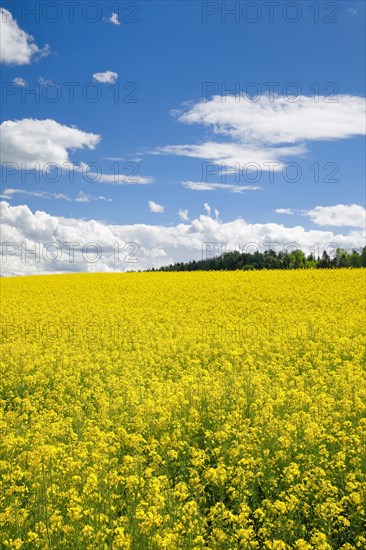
(215, 410)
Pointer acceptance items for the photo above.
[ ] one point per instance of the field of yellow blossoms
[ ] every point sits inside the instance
(215, 410)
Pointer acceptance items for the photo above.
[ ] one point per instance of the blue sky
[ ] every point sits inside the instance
(164, 54)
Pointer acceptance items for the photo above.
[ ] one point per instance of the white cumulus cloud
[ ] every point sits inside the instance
(280, 120)
(150, 245)
(346, 215)
(266, 132)
(36, 143)
(17, 47)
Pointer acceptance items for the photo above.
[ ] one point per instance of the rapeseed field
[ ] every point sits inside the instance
(215, 410)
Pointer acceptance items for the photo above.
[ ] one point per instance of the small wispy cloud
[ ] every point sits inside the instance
(45, 82)
(288, 211)
(108, 77)
(114, 158)
(85, 197)
(81, 197)
(155, 207)
(10, 191)
(205, 186)
(114, 19)
(21, 82)
(120, 179)
(183, 214)
(207, 208)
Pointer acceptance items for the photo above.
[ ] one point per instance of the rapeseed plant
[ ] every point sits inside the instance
(194, 410)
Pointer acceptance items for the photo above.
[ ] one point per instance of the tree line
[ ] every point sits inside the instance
(231, 261)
